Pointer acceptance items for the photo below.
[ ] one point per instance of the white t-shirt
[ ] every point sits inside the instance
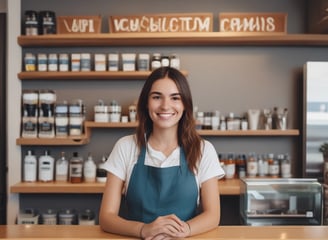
(125, 154)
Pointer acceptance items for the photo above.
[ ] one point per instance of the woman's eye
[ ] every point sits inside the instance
(176, 98)
(156, 97)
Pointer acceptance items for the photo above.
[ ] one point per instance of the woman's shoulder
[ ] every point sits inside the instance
(128, 140)
(207, 145)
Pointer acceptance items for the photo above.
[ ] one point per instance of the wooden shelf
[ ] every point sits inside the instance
(91, 75)
(53, 141)
(227, 187)
(240, 133)
(85, 139)
(106, 75)
(173, 39)
(91, 124)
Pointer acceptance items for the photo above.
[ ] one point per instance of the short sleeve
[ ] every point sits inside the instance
(209, 165)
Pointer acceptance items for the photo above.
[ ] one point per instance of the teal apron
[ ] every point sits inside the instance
(154, 192)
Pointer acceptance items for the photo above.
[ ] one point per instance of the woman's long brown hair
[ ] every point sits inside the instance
(188, 138)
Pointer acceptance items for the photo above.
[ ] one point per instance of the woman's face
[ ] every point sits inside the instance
(165, 104)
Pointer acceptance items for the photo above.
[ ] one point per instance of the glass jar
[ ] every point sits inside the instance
(273, 166)
(156, 61)
(252, 166)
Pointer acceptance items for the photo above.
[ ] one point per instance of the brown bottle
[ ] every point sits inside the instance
(76, 168)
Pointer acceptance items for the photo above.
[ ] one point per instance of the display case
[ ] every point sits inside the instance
(281, 202)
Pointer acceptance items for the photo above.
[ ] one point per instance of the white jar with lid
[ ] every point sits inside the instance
(156, 61)
(101, 112)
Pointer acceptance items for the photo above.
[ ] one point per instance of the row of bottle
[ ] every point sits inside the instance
(44, 118)
(54, 217)
(253, 119)
(39, 23)
(255, 165)
(75, 62)
(75, 170)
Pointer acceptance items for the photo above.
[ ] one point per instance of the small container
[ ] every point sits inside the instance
(30, 62)
(101, 173)
(100, 62)
(46, 167)
(128, 61)
(76, 118)
(66, 217)
(46, 119)
(230, 167)
(241, 166)
(133, 113)
(63, 62)
(285, 166)
(61, 119)
(261, 166)
(114, 112)
(165, 61)
(30, 114)
(273, 166)
(89, 169)
(207, 124)
(101, 112)
(87, 217)
(113, 62)
(53, 62)
(252, 165)
(156, 61)
(28, 216)
(30, 167)
(42, 62)
(31, 24)
(47, 22)
(76, 168)
(62, 168)
(75, 62)
(49, 217)
(85, 62)
(175, 61)
(143, 62)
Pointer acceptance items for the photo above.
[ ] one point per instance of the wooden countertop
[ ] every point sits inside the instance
(226, 187)
(222, 232)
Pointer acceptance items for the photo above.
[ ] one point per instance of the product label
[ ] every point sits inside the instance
(76, 170)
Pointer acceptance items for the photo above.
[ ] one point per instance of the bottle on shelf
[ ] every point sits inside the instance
(241, 166)
(252, 165)
(76, 168)
(273, 166)
(230, 166)
(62, 168)
(89, 169)
(46, 167)
(101, 172)
(30, 167)
(61, 119)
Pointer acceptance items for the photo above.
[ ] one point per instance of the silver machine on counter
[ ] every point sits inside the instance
(315, 117)
(290, 201)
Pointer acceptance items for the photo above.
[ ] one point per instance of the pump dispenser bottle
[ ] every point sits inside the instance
(89, 169)
(46, 167)
(30, 167)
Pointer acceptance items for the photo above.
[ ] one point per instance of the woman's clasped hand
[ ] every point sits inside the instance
(165, 227)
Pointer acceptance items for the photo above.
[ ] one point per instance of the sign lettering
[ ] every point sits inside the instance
(161, 23)
(253, 22)
(78, 24)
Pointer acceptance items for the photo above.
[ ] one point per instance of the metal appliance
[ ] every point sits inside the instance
(281, 201)
(315, 117)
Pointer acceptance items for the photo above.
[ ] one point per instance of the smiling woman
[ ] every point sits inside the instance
(166, 171)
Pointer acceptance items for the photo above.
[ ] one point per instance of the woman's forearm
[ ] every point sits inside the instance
(117, 225)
